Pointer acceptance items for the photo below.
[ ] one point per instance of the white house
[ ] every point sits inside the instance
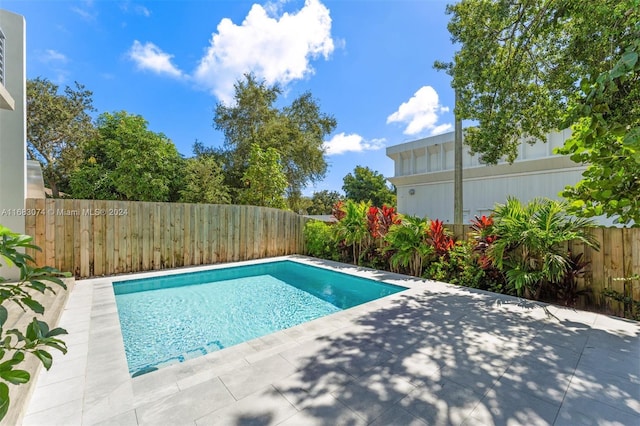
(424, 176)
(13, 161)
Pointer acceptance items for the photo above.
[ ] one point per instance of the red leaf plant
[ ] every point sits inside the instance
(439, 239)
(481, 229)
(338, 210)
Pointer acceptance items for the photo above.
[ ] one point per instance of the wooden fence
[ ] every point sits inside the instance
(617, 260)
(95, 237)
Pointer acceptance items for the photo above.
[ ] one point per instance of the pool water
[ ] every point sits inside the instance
(173, 318)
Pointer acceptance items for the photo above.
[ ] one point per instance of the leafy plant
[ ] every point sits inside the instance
(631, 305)
(319, 239)
(15, 343)
(408, 244)
(439, 238)
(338, 210)
(353, 229)
(529, 249)
(566, 291)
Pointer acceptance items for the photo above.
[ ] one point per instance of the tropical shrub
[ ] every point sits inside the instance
(16, 343)
(352, 228)
(407, 243)
(529, 247)
(319, 239)
(439, 238)
(461, 266)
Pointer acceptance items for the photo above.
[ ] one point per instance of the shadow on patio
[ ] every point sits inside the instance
(459, 355)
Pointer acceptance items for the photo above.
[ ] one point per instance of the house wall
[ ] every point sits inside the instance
(13, 163)
(424, 177)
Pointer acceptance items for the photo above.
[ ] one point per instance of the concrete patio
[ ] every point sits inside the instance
(434, 354)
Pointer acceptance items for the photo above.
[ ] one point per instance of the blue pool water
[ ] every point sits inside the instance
(177, 317)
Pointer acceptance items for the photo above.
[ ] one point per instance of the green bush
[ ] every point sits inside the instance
(320, 241)
(15, 343)
(461, 267)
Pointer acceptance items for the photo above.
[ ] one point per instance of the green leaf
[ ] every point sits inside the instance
(56, 332)
(33, 305)
(15, 377)
(3, 315)
(4, 400)
(45, 357)
(629, 59)
(17, 358)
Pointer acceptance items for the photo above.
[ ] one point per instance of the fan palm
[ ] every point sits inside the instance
(529, 248)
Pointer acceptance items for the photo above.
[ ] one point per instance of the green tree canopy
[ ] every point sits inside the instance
(368, 185)
(204, 182)
(127, 161)
(296, 131)
(522, 65)
(58, 125)
(607, 139)
(265, 182)
(322, 202)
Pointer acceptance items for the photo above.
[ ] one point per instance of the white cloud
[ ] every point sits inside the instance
(85, 12)
(421, 113)
(148, 56)
(275, 48)
(51, 55)
(341, 143)
(141, 10)
(138, 9)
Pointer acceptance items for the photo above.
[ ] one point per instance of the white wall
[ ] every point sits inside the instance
(13, 162)
(435, 200)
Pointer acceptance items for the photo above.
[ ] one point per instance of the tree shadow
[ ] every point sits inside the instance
(446, 355)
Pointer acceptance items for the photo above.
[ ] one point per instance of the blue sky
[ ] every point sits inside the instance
(367, 62)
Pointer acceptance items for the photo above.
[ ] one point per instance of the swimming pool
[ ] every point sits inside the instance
(173, 318)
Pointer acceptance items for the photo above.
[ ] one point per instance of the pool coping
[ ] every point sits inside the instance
(95, 342)
(92, 385)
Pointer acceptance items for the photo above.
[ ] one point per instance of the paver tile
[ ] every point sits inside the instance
(266, 407)
(185, 406)
(247, 380)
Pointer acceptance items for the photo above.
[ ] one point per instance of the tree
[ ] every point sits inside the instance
(520, 67)
(265, 182)
(58, 125)
(128, 162)
(519, 63)
(606, 137)
(322, 202)
(368, 185)
(296, 131)
(204, 182)
(15, 343)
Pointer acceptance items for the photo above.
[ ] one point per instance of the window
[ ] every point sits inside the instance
(2, 57)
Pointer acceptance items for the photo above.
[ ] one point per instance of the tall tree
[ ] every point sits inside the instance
(204, 182)
(296, 131)
(368, 185)
(520, 66)
(322, 202)
(264, 180)
(607, 138)
(127, 161)
(58, 125)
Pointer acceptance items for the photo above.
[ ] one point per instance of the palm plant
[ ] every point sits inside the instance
(529, 249)
(408, 243)
(353, 228)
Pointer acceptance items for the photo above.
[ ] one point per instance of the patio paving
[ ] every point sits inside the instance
(435, 354)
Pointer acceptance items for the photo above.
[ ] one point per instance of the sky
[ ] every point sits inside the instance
(369, 63)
